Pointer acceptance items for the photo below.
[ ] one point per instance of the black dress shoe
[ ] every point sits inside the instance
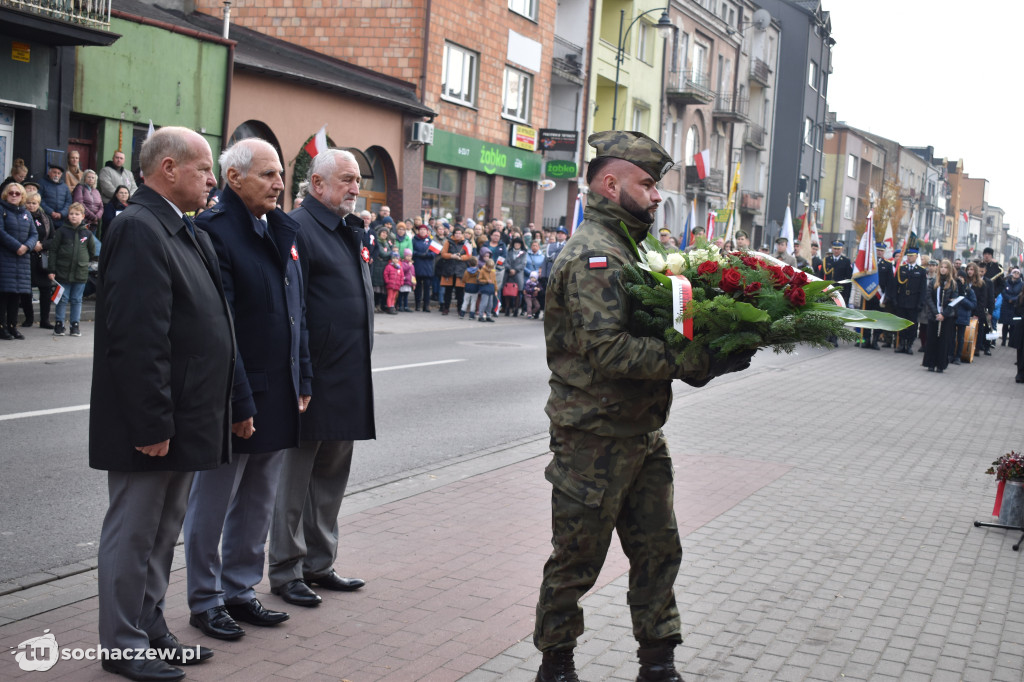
(332, 581)
(216, 623)
(172, 651)
(252, 612)
(298, 593)
(144, 670)
(45, 325)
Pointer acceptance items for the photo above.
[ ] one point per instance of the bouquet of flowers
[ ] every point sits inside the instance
(1009, 467)
(704, 299)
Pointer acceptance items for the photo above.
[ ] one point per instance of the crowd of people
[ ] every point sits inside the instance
(50, 232)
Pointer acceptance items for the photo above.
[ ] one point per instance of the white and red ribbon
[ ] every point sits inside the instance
(682, 293)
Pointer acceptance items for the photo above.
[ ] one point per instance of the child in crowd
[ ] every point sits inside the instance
(531, 290)
(488, 277)
(409, 272)
(394, 278)
(471, 278)
(71, 249)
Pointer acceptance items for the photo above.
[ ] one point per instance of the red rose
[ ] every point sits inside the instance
(796, 296)
(778, 276)
(788, 271)
(752, 288)
(708, 267)
(731, 280)
(750, 261)
(799, 279)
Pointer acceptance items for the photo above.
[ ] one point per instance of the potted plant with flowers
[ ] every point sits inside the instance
(1009, 471)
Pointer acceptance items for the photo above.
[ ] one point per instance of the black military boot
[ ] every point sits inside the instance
(657, 663)
(557, 666)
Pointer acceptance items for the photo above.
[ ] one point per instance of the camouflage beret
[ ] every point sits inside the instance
(634, 147)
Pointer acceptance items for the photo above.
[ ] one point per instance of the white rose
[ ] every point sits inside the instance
(655, 261)
(676, 263)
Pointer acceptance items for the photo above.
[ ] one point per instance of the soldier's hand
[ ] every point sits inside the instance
(734, 362)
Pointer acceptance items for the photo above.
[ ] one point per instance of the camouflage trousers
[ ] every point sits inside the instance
(601, 485)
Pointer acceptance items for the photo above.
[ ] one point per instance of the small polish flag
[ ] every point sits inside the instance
(317, 143)
(435, 246)
(467, 249)
(295, 253)
(703, 162)
(501, 261)
(57, 294)
(598, 263)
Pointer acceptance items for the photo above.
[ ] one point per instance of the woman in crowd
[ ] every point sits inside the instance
(117, 203)
(451, 267)
(985, 301)
(964, 309)
(17, 239)
(87, 195)
(515, 262)
(1014, 286)
(385, 247)
(942, 318)
(19, 171)
(40, 276)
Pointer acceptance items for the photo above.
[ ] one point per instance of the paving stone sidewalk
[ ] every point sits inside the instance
(825, 502)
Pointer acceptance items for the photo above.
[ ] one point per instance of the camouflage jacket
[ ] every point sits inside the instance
(603, 380)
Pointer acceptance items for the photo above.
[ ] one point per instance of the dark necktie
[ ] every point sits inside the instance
(189, 225)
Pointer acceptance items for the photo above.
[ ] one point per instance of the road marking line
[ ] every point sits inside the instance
(79, 408)
(42, 413)
(419, 364)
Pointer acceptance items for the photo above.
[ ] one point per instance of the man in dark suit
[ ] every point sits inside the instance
(231, 506)
(911, 281)
(886, 291)
(339, 316)
(837, 267)
(162, 367)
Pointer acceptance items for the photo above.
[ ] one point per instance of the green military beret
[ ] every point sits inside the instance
(634, 147)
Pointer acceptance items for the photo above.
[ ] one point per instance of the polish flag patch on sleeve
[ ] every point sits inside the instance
(597, 263)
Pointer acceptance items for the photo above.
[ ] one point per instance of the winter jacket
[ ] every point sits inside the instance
(471, 278)
(110, 211)
(453, 257)
(422, 257)
(90, 198)
(54, 197)
(380, 261)
(488, 278)
(531, 288)
(534, 262)
(111, 177)
(71, 249)
(1010, 293)
(393, 277)
(17, 228)
(408, 273)
(965, 308)
(44, 232)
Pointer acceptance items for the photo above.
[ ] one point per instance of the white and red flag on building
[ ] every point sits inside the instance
(703, 162)
(317, 143)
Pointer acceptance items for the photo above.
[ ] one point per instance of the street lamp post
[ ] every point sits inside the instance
(664, 24)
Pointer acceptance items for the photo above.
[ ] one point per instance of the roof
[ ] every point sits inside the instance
(277, 58)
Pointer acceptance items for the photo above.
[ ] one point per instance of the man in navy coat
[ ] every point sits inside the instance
(161, 383)
(231, 506)
(339, 315)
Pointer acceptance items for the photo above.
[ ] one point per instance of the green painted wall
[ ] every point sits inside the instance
(151, 73)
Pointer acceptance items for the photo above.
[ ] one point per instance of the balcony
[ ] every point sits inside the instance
(689, 87)
(59, 22)
(754, 137)
(750, 202)
(760, 72)
(568, 61)
(730, 108)
(713, 183)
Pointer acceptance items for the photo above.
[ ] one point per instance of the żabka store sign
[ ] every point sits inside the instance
(461, 151)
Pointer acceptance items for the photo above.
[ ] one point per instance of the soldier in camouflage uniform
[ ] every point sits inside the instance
(610, 396)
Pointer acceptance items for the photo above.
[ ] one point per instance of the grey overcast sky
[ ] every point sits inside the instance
(941, 73)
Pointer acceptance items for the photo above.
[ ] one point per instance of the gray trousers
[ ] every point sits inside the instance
(136, 548)
(304, 530)
(229, 506)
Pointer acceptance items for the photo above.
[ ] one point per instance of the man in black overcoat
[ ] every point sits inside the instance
(161, 384)
(339, 317)
(231, 506)
(911, 290)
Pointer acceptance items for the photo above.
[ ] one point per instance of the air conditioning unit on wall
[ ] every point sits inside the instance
(422, 133)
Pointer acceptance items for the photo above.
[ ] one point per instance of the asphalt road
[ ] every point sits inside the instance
(444, 392)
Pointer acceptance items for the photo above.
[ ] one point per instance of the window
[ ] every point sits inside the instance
(692, 140)
(812, 75)
(516, 200)
(809, 131)
(684, 51)
(518, 89)
(645, 44)
(640, 118)
(528, 8)
(851, 166)
(848, 208)
(441, 197)
(459, 74)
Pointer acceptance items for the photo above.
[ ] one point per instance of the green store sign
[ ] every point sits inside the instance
(560, 169)
(494, 159)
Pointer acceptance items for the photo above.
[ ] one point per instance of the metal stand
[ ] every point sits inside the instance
(1016, 548)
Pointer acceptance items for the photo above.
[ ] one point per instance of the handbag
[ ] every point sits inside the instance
(511, 290)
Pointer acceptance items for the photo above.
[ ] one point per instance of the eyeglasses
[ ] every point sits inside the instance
(14, 193)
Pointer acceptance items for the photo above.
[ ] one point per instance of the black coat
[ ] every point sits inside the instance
(259, 268)
(164, 348)
(339, 316)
